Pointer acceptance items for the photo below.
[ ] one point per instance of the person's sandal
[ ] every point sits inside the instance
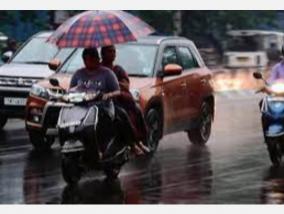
(144, 147)
(137, 150)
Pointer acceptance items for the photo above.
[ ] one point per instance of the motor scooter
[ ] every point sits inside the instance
(272, 117)
(89, 137)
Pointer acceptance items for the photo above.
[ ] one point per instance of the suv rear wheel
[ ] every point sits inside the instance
(40, 141)
(201, 133)
(3, 121)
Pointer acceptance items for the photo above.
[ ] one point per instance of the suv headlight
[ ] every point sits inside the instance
(136, 94)
(39, 91)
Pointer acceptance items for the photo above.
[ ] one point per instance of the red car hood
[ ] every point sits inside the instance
(140, 82)
(64, 79)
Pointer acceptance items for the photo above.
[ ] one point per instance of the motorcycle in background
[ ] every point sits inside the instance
(272, 117)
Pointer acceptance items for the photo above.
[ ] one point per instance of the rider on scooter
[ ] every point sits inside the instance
(276, 74)
(96, 77)
(125, 100)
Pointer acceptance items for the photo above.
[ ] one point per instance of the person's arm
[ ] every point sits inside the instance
(122, 77)
(74, 80)
(112, 86)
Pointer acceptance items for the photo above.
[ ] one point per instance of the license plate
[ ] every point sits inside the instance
(243, 59)
(12, 101)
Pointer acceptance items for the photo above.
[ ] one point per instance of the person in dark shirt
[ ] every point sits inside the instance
(124, 98)
(11, 45)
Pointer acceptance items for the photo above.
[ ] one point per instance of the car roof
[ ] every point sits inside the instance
(43, 34)
(156, 40)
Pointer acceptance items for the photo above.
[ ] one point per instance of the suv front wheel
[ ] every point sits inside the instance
(201, 134)
(3, 121)
(154, 122)
(40, 141)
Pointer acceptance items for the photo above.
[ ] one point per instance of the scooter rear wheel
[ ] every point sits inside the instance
(274, 153)
(71, 171)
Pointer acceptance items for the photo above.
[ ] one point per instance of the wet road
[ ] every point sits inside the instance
(233, 168)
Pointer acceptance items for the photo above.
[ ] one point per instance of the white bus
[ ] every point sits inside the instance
(251, 48)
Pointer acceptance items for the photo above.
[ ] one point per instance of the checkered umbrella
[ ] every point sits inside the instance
(99, 28)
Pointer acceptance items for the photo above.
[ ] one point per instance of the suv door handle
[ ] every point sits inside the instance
(183, 84)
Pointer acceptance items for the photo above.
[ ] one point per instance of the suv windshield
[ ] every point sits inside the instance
(244, 43)
(36, 51)
(136, 59)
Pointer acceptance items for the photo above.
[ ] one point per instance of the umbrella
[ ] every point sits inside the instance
(99, 28)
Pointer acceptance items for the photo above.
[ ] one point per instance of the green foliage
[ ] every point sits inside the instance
(161, 20)
(195, 23)
(198, 23)
(22, 24)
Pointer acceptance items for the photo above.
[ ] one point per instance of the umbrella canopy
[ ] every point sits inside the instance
(99, 28)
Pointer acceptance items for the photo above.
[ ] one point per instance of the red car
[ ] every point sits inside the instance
(168, 79)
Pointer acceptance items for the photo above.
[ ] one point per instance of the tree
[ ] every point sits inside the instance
(22, 24)
(198, 22)
(161, 20)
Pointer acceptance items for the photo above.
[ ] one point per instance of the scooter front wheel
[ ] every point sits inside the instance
(274, 153)
(71, 170)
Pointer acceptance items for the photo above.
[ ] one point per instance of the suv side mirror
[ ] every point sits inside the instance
(54, 82)
(172, 70)
(257, 75)
(7, 56)
(54, 64)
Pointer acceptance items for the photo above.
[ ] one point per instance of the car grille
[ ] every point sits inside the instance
(18, 81)
(56, 91)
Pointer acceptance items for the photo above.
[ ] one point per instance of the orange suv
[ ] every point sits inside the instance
(168, 79)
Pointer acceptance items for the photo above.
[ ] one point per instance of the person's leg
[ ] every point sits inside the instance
(142, 129)
(127, 130)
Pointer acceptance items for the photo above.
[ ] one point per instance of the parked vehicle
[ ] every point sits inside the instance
(168, 79)
(252, 48)
(272, 117)
(89, 138)
(27, 66)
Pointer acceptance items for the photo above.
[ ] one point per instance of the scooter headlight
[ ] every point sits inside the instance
(278, 88)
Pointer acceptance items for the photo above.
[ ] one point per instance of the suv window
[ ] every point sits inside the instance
(187, 59)
(63, 54)
(74, 63)
(136, 59)
(169, 56)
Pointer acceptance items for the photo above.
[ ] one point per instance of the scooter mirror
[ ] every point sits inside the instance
(54, 82)
(257, 75)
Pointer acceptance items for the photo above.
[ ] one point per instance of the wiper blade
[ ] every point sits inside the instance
(137, 75)
(36, 62)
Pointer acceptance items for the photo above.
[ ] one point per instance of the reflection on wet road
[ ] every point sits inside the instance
(233, 168)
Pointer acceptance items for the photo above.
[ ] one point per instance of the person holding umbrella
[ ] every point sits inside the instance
(98, 29)
(124, 98)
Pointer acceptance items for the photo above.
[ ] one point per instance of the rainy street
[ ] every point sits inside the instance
(233, 167)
